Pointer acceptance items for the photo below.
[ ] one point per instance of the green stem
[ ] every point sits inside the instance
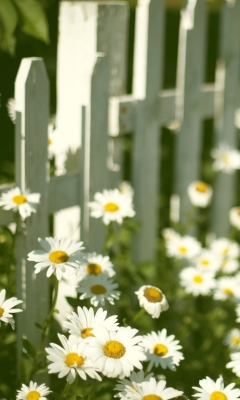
(138, 315)
(108, 240)
(65, 390)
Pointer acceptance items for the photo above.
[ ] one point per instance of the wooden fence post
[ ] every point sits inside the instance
(32, 106)
(190, 76)
(228, 80)
(147, 77)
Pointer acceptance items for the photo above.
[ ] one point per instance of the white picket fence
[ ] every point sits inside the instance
(94, 112)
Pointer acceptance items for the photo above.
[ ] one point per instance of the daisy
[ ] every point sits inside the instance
(225, 248)
(152, 390)
(200, 193)
(6, 308)
(162, 350)
(33, 392)
(11, 110)
(98, 288)
(238, 313)
(23, 202)
(197, 281)
(170, 234)
(183, 247)
(126, 188)
(71, 359)
(116, 354)
(225, 159)
(82, 324)
(152, 300)
(124, 384)
(228, 266)
(210, 390)
(208, 261)
(111, 205)
(232, 340)
(234, 217)
(58, 255)
(227, 288)
(234, 364)
(96, 264)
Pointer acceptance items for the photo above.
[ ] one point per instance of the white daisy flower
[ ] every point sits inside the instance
(152, 300)
(153, 390)
(208, 261)
(83, 324)
(226, 159)
(238, 313)
(210, 390)
(124, 384)
(98, 288)
(234, 217)
(228, 266)
(225, 248)
(197, 281)
(183, 247)
(59, 256)
(23, 202)
(70, 360)
(234, 364)
(126, 188)
(111, 205)
(33, 392)
(6, 308)
(200, 193)
(116, 354)
(96, 264)
(162, 350)
(232, 340)
(11, 110)
(170, 234)
(227, 288)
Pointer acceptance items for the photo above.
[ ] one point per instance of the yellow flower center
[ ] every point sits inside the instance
(238, 211)
(58, 256)
(94, 269)
(111, 207)
(98, 289)
(205, 262)
(225, 158)
(152, 294)
(202, 187)
(1, 312)
(151, 397)
(74, 360)
(49, 142)
(114, 349)
(236, 340)
(198, 279)
(160, 350)
(228, 291)
(218, 396)
(87, 332)
(19, 199)
(225, 251)
(183, 249)
(33, 395)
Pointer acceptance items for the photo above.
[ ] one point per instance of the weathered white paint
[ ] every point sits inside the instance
(227, 80)
(32, 106)
(191, 63)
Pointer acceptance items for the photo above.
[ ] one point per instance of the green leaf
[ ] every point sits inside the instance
(39, 326)
(33, 19)
(8, 23)
(28, 347)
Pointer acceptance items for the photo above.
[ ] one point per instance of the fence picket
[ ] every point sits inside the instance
(147, 83)
(227, 78)
(191, 63)
(32, 105)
